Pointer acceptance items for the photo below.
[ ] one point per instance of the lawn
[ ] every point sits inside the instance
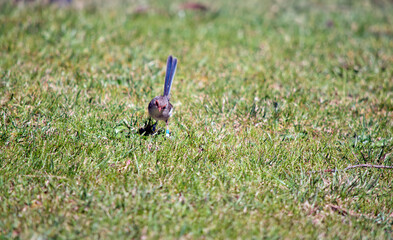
(270, 97)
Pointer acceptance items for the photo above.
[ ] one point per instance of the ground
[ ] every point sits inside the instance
(267, 95)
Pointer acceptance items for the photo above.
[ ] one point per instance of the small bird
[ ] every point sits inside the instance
(159, 107)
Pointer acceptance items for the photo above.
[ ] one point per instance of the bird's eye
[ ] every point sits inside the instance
(163, 107)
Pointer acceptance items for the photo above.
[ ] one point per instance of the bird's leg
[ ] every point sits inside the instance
(167, 128)
(154, 126)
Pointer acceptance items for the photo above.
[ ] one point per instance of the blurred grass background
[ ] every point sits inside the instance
(265, 92)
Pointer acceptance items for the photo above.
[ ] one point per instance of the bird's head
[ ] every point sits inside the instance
(161, 103)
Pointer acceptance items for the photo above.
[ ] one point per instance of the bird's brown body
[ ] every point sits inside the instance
(160, 108)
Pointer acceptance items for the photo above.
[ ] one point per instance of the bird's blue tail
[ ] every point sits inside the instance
(171, 66)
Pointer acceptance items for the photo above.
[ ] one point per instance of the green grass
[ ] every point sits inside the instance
(264, 93)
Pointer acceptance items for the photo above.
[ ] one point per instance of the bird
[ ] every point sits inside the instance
(159, 107)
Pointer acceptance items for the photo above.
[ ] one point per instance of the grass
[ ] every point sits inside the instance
(265, 93)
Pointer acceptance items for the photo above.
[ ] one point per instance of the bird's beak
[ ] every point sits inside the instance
(159, 109)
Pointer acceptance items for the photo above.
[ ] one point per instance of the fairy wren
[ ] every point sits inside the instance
(159, 107)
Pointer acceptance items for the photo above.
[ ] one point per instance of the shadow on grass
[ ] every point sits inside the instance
(147, 129)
